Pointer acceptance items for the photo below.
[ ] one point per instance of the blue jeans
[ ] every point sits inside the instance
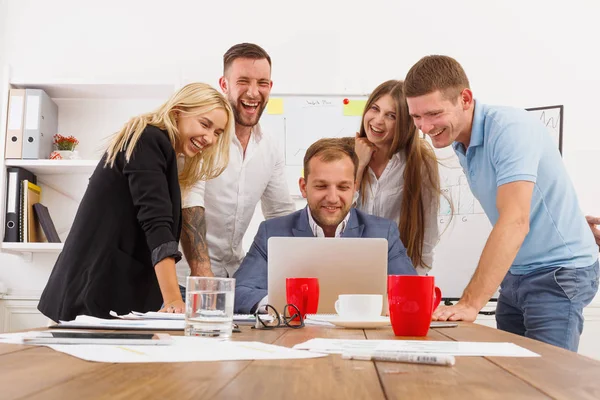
(547, 304)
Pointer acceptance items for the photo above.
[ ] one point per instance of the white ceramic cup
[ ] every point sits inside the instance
(359, 306)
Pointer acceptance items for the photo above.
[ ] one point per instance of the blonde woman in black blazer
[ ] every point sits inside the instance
(121, 251)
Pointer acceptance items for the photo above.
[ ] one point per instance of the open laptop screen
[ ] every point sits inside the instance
(343, 266)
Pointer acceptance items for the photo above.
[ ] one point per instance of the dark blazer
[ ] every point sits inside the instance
(128, 220)
(251, 277)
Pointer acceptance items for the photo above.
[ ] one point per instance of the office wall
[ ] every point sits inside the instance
(517, 53)
(3, 12)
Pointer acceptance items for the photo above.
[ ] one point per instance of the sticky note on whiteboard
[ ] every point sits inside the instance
(275, 106)
(354, 108)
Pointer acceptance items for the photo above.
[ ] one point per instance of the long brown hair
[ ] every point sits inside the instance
(421, 174)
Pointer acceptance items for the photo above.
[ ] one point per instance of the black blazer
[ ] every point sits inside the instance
(128, 220)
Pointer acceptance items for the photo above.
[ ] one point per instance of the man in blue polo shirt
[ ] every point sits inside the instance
(540, 251)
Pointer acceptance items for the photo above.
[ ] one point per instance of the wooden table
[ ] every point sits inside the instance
(39, 372)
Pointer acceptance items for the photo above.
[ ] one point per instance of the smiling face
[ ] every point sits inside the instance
(379, 121)
(329, 189)
(247, 85)
(199, 131)
(444, 120)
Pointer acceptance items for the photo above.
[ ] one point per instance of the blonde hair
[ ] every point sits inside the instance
(192, 99)
(421, 174)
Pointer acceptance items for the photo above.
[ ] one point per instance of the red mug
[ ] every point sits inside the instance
(412, 300)
(303, 293)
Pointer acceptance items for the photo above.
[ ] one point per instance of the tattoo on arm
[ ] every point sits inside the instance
(193, 240)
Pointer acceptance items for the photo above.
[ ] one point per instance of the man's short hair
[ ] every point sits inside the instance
(433, 73)
(244, 50)
(331, 149)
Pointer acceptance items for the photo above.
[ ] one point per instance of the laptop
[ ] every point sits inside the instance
(343, 266)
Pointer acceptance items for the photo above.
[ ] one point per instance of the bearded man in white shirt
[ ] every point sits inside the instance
(216, 213)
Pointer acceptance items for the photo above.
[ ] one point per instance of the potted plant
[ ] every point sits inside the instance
(64, 147)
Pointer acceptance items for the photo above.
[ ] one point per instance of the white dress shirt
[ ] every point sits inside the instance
(318, 231)
(230, 199)
(383, 198)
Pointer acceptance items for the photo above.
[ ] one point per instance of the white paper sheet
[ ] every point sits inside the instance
(316, 322)
(135, 315)
(184, 349)
(487, 349)
(333, 321)
(146, 324)
(13, 338)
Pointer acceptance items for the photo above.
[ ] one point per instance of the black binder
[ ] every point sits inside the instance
(46, 223)
(14, 194)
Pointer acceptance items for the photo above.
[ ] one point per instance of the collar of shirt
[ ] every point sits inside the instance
(476, 130)
(254, 143)
(257, 132)
(395, 167)
(318, 231)
(256, 135)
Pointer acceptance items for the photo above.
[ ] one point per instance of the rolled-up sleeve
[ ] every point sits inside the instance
(169, 249)
(146, 173)
(195, 195)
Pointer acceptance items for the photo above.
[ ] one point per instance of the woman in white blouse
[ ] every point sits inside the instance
(398, 172)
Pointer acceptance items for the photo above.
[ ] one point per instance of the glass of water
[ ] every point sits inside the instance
(209, 306)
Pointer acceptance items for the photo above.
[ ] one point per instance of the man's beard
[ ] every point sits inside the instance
(238, 115)
(316, 214)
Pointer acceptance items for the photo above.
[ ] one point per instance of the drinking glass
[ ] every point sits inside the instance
(209, 306)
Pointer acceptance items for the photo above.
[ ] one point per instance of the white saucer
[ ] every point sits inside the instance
(335, 319)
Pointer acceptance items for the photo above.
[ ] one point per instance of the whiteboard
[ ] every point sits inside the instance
(462, 234)
(305, 119)
(552, 118)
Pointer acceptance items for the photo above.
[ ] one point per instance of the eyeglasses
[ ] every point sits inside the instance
(272, 319)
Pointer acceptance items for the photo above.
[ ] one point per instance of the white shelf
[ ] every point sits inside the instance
(75, 90)
(32, 247)
(22, 295)
(55, 167)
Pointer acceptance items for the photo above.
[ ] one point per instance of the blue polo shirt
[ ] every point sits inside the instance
(508, 145)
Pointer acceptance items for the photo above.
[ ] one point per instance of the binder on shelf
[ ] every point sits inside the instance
(31, 230)
(41, 124)
(43, 216)
(14, 126)
(13, 201)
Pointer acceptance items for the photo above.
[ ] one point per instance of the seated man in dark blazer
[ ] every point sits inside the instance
(329, 185)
